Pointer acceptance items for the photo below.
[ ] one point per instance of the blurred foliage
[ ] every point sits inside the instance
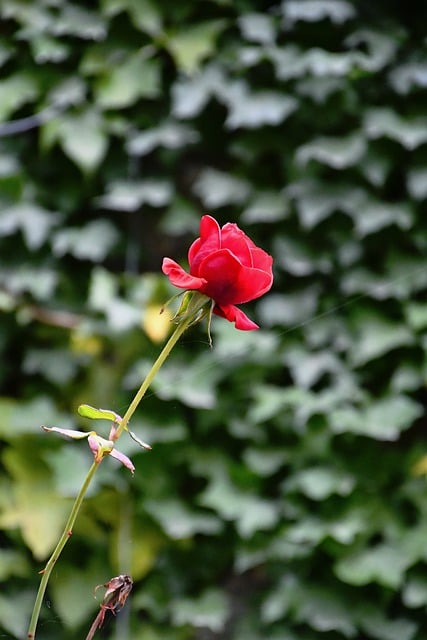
(284, 497)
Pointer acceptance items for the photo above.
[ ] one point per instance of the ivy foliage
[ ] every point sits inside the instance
(284, 496)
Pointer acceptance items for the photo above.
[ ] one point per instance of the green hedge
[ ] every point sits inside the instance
(284, 497)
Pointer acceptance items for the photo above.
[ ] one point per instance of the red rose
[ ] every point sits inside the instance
(227, 266)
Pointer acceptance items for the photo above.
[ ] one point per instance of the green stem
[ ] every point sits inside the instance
(194, 307)
(191, 315)
(66, 534)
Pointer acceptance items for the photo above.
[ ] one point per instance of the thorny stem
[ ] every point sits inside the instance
(66, 534)
(194, 308)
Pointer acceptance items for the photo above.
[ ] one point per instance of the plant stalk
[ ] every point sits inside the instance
(191, 315)
(65, 536)
(194, 307)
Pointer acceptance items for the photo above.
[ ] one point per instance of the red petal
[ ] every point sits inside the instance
(234, 314)
(238, 242)
(208, 242)
(228, 282)
(261, 259)
(179, 277)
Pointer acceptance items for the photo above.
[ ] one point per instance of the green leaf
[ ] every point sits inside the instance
(253, 110)
(210, 610)
(38, 511)
(82, 23)
(16, 91)
(170, 135)
(15, 611)
(13, 563)
(83, 139)
(86, 411)
(190, 94)
(375, 336)
(384, 564)
(408, 76)
(69, 466)
(179, 522)
(137, 76)
(415, 592)
(193, 384)
(320, 483)
(417, 183)
(338, 153)
(265, 207)
(46, 49)
(384, 122)
(127, 195)
(381, 627)
(102, 290)
(297, 258)
(384, 419)
(249, 512)
(257, 27)
(190, 46)
(325, 611)
(39, 282)
(217, 189)
(34, 222)
(288, 310)
(338, 11)
(73, 592)
(375, 216)
(416, 314)
(145, 14)
(20, 418)
(91, 242)
(56, 365)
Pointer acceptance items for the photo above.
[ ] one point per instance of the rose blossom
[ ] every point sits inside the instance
(227, 266)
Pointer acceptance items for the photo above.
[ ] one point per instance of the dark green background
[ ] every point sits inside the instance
(284, 498)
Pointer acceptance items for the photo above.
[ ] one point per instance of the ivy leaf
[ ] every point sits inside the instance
(91, 242)
(37, 510)
(382, 420)
(320, 483)
(266, 206)
(190, 94)
(179, 522)
(216, 188)
(170, 135)
(73, 592)
(138, 76)
(257, 27)
(417, 183)
(249, 512)
(15, 610)
(210, 610)
(338, 11)
(253, 110)
(79, 22)
(34, 222)
(376, 336)
(127, 195)
(384, 122)
(409, 76)
(16, 91)
(380, 627)
(191, 45)
(337, 153)
(384, 564)
(82, 137)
